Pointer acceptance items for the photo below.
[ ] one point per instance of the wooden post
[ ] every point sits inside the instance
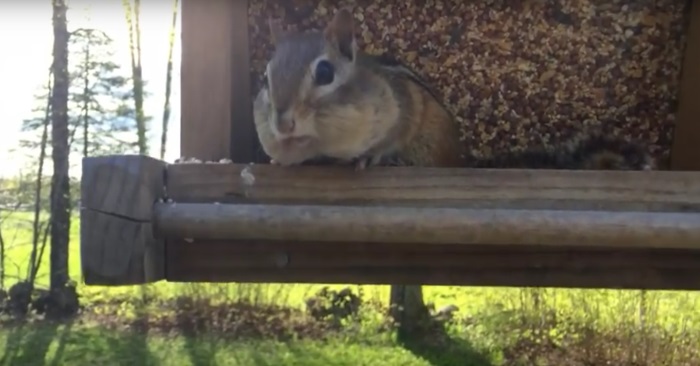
(217, 116)
(685, 150)
(117, 246)
(244, 143)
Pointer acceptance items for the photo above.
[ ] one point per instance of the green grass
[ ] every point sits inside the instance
(80, 345)
(492, 319)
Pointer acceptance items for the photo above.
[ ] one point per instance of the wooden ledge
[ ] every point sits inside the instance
(261, 223)
(437, 187)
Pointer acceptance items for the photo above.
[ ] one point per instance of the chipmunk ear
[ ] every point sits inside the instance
(340, 32)
(276, 31)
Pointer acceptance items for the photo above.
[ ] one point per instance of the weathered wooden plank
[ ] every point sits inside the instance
(116, 238)
(262, 254)
(220, 262)
(429, 225)
(476, 188)
(208, 60)
(685, 150)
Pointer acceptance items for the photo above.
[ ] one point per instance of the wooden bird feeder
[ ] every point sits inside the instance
(143, 220)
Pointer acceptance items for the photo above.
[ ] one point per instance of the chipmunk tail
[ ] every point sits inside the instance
(587, 151)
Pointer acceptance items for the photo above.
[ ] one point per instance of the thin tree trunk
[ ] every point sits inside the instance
(2, 243)
(44, 240)
(168, 82)
(2, 259)
(60, 187)
(133, 22)
(86, 101)
(33, 264)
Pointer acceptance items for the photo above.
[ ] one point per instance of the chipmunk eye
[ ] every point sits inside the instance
(324, 73)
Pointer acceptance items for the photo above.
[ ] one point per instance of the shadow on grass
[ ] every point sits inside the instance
(54, 344)
(201, 353)
(203, 350)
(450, 351)
(29, 344)
(100, 347)
(137, 341)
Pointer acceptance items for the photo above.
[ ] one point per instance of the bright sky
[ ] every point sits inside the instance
(26, 41)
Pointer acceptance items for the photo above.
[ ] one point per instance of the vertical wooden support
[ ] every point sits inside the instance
(217, 116)
(685, 151)
(244, 139)
(117, 246)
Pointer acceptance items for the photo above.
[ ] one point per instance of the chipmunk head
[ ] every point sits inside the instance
(306, 70)
(310, 103)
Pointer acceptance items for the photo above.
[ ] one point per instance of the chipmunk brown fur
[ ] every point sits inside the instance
(324, 98)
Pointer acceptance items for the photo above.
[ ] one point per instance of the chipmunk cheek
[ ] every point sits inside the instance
(303, 112)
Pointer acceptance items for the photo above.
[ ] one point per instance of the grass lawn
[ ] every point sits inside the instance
(81, 345)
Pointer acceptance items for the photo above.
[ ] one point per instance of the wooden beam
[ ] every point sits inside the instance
(117, 246)
(685, 151)
(427, 225)
(206, 74)
(437, 187)
(404, 225)
(537, 266)
(388, 225)
(217, 115)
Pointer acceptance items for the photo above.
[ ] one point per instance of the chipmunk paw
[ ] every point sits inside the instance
(368, 161)
(361, 164)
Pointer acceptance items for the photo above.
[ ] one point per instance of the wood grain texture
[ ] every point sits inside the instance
(427, 225)
(124, 185)
(207, 71)
(399, 186)
(117, 246)
(126, 254)
(294, 262)
(685, 150)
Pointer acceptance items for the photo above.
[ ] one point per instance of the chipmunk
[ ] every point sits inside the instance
(322, 97)
(323, 100)
(592, 150)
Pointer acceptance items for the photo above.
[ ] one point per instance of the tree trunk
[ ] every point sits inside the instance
(2, 260)
(60, 188)
(168, 82)
(133, 22)
(36, 230)
(86, 101)
(409, 311)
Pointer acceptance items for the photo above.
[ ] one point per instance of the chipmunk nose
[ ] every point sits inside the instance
(286, 125)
